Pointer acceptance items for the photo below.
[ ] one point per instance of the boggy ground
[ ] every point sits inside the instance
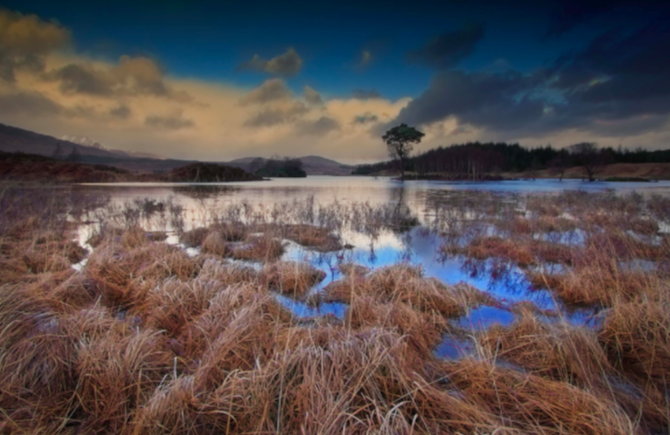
(145, 338)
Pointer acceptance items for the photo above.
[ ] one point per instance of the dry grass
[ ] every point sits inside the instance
(318, 238)
(292, 278)
(145, 339)
(263, 248)
(524, 252)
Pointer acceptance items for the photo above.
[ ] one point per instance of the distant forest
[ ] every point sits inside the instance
(476, 158)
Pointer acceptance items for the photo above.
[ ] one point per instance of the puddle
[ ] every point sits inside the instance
(304, 311)
(482, 318)
(454, 348)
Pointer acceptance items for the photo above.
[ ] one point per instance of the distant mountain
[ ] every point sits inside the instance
(87, 141)
(313, 165)
(13, 139)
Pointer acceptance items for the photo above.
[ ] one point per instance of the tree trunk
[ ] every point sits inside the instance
(402, 169)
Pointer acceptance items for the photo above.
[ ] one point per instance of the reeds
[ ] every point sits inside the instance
(145, 339)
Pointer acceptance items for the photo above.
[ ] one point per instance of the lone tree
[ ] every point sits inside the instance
(400, 140)
(586, 154)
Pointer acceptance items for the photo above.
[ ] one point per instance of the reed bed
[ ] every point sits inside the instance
(145, 339)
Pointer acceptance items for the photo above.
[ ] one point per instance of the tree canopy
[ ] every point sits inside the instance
(400, 141)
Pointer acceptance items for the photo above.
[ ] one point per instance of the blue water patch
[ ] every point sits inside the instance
(304, 311)
(453, 347)
(482, 318)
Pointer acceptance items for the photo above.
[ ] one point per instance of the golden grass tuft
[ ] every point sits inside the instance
(214, 244)
(318, 238)
(531, 404)
(292, 278)
(263, 248)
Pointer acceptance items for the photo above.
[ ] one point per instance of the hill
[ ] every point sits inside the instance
(312, 165)
(14, 139)
(35, 168)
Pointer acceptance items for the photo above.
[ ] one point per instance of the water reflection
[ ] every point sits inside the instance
(391, 223)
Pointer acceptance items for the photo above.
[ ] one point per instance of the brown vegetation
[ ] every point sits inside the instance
(145, 339)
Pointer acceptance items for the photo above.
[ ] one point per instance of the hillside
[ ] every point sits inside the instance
(35, 168)
(312, 165)
(14, 139)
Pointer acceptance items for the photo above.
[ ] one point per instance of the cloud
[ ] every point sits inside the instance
(365, 94)
(83, 79)
(619, 85)
(270, 90)
(132, 76)
(447, 49)
(170, 122)
(321, 126)
(279, 115)
(365, 118)
(479, 98)
(311, 96)
(287, 64)
(31, 104)
(121, 111)
(25, 41)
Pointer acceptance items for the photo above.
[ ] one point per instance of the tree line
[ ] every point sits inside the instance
(474, 160)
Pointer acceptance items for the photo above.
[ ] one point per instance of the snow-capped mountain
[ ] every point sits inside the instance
(84, 140)
(87, 141)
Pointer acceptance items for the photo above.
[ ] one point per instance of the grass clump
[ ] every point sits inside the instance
(292, 278)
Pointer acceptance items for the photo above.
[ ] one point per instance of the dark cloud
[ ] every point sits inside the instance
(132, 76)
(319, 127)
(365, 94)
(274, 116)
(619, 83)
(619, 75)
(287, 64)
(447, 49)
(83, 79)
(479, 98)
(25, 41)
(270, 90)
(121, 111)
(32, 104)
(171, 122)
(311, 96)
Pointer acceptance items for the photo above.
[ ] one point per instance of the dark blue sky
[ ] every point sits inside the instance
(209, 39)
(329, 77)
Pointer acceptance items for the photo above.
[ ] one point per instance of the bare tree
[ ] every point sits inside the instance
(587, 155)
(400, 140)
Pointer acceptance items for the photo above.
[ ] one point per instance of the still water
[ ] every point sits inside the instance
(418, 246)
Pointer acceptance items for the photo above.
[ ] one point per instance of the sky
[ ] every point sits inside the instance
(215, 80)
